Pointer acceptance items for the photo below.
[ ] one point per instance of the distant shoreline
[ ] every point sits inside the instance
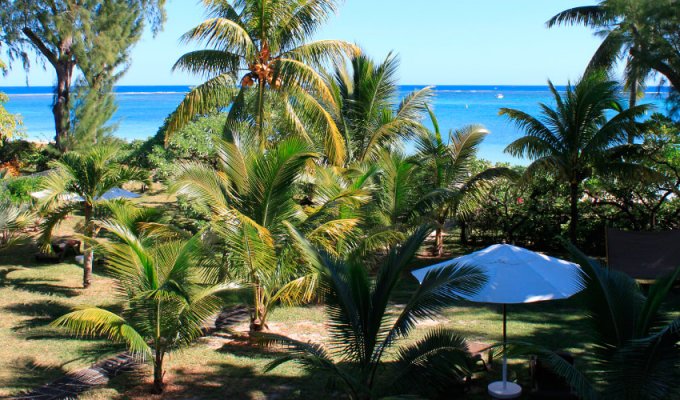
(181, 89)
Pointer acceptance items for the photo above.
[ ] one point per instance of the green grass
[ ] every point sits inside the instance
(215, 367)
(218, 367)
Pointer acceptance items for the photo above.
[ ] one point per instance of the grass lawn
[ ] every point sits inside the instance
(218, 367)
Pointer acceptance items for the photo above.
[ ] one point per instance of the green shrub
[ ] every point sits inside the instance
(18, 190)
(194, 142)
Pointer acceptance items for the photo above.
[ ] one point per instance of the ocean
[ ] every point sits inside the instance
(142, 110)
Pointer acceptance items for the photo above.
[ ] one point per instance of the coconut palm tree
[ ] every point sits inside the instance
(643, 32)
(259, 58)
(164, 303)
(366, 107)
(87, 175)
(576, 138)
(453, 188)
(636, 344)
(252, 207)
(363, 327)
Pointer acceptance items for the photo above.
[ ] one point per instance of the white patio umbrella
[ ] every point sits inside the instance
(115, 193)
(516, 275)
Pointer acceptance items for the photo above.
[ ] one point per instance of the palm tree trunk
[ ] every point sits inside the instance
(89, 253)
(257, 320)
(632, 101)
(463, 233)
(158, 385)
(260, 115)
(439, 242)
(573, 222)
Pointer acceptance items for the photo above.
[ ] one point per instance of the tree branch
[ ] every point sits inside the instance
(51, 57)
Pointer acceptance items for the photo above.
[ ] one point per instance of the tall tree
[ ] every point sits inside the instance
(88, 174)
(263, 46)
(644, 32)
(576, 138)
(62, 32)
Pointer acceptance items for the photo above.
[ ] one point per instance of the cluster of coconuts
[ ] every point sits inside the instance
(261, 71)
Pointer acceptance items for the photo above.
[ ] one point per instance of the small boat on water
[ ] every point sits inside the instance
(500, 96)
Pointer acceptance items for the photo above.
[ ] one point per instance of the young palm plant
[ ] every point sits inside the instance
(165, 304)
(13, 218)
(577, 137)
(250, 196)
(363, 326)
(448, 175)
(636, 349)
(87, 175)
(260, 58)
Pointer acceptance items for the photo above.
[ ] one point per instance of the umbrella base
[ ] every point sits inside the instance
(510, 391)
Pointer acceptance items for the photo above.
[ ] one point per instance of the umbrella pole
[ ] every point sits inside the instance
(505, 357)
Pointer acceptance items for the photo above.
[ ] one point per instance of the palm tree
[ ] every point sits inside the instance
(13, 218)
(397, 188)
(366, 108)
(165, 305)
(635, 30)
(636, 346)
(453, 188)
(250, 196)
(575, 138)
(265, 44)
(87, 175)
(363, 327)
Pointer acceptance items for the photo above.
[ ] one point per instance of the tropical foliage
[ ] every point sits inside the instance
(76, 184)
(363, 328)
(576, 138)
(366, 109)
(635, 353)
(642, 31)
(13, 219)
(269, 40)
(448, 173)
(250, 198)
(301, 172)
(164, 303)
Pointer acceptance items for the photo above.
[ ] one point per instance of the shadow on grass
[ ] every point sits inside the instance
(42, 313)
(228, 380)
(42, 287)
(27, 373)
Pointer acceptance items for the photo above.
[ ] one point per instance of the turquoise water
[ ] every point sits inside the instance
(142, 109)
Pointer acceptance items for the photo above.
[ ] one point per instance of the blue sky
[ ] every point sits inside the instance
(458, 42)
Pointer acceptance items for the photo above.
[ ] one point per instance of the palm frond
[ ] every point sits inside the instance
(212, 95)
(96, 321)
